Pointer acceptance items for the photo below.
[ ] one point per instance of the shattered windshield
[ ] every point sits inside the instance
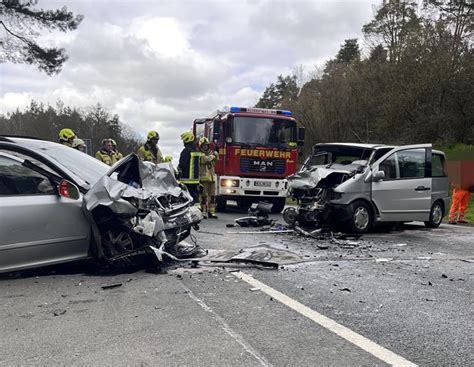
(338, 154)
(263, 131)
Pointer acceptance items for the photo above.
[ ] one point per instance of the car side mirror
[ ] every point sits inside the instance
(67, 189)
(378, 175)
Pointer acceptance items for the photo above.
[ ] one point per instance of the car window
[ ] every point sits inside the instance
(437, 166)
(389, 166)
(411, 163)
(16, 179)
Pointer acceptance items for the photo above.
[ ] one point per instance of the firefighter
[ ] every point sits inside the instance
(458, 206)
(150, 151)
(66, 137)
(106, 153)
(117, 155)
(207, 178)
(79, 144)
(188, 167)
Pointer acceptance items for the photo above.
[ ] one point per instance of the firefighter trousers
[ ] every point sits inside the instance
(459, 205)
(208, 197)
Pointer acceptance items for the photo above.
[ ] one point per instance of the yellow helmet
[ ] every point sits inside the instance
(203, 141)
(167, 158)
(114, 143)
(152, 135)
(187, 137)
(66, 134)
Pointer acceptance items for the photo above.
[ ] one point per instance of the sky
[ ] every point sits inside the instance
(161, 64)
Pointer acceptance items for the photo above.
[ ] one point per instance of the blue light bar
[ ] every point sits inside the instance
(260, 110)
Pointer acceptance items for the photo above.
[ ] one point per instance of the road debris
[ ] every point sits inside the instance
(383, 260)
(263, 255)
(59, 312)
(111, 286)
(257, 216)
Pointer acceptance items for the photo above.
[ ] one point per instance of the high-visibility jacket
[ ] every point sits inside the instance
(117, 155)
(189, 164)
(207, 162)
(150, 154)
(106, 157)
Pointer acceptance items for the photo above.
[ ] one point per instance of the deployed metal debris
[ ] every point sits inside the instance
(265, 256)
(140, 208)
(257, 216)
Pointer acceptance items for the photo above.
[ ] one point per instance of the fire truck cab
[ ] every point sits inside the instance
(258, 149)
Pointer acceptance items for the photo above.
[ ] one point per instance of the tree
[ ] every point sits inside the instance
(22, 23)
(392, 25)
(279, 94)
(349, 51)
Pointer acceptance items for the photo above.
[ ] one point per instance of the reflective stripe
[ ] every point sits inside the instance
(194, 167)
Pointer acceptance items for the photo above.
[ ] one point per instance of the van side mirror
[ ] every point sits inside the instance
(301, 134)
(217, 131)
(378, 175)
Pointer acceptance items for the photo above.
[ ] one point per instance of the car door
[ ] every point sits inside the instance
(37, 226)
(404, 194)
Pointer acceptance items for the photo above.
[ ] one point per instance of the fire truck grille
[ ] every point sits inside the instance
(262, 165)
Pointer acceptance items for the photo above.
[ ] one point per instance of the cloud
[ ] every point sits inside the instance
(161, 64)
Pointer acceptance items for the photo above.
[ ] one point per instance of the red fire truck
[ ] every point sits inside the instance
(258, 149)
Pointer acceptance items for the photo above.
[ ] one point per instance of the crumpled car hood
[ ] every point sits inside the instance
(309, 179)
(144, 197)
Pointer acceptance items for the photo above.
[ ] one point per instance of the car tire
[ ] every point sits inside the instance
(361, 218)
(436, 215)
(278, 205)
(221, 204)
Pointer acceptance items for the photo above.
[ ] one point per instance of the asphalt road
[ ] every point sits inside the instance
(399, 297)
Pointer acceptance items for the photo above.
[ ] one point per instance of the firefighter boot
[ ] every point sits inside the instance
(212, 208)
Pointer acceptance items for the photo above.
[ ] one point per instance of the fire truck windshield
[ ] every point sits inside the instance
(263, 131)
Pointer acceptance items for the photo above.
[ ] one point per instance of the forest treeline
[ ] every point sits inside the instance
(94, 122)
(415, 83)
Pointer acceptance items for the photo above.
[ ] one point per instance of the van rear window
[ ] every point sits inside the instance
(437, 166)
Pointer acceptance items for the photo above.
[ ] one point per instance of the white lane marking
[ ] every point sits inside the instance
(236, 336)
(360, 341)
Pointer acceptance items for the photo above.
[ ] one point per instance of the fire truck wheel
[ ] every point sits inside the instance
(221, 204)
(278, 205)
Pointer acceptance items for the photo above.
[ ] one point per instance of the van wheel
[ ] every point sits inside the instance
(221, 204)
(361, 218)
(436, 215)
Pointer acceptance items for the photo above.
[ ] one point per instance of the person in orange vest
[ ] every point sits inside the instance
(458, 206)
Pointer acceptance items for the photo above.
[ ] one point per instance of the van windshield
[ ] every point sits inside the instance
(338, 154)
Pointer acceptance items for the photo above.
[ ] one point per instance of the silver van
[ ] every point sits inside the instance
(359, 185)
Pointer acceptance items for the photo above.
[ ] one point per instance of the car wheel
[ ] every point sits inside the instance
(361, 217)
(221, 204)
(116, 243)
(436, 215)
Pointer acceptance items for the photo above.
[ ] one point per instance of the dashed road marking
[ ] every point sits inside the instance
(360, 341)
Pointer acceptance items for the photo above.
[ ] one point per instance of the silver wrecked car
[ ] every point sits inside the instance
(58, 204)
(355, 186)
